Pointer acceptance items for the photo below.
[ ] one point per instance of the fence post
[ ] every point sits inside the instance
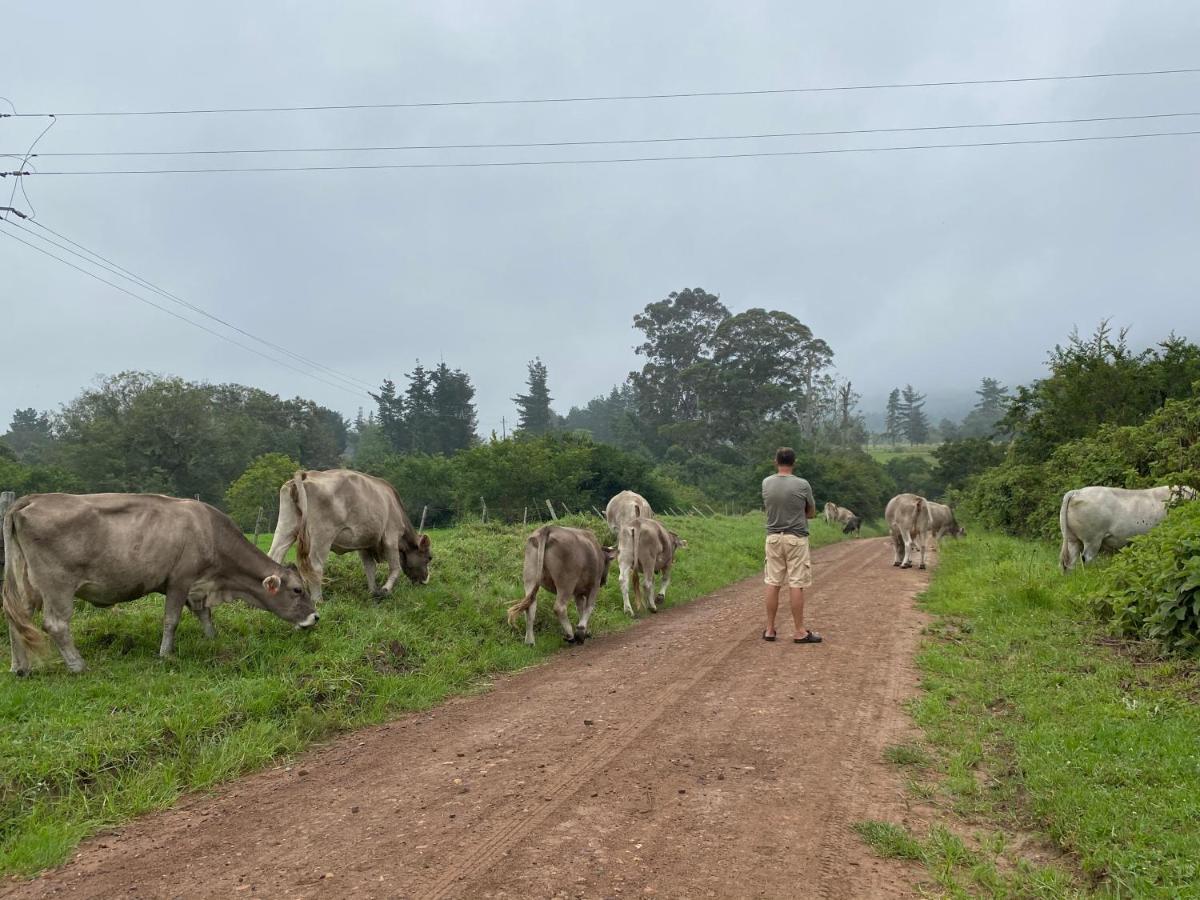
(525, 517)
(566, 509)
(710, 509)
(597, 512)
(483, 505)
(553, 514)
(424, 510)
(257, 525)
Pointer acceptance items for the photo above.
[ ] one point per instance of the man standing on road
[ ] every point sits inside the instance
(789, 504)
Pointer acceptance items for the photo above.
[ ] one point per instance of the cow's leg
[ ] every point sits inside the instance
(586, 605)
(20, 656)
(897, 547)
(171, 613)
(58, 626)
(394, 570)
(530, 616)
(369, 564)
(925, 539)
(561, 599)
(624, 570)
(204, 614)
(907, 539)
(666, 582)
(1091, 549)
(648, 588)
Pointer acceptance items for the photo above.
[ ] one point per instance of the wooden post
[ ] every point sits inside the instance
(597, 512)
(257, 525)
(525, 517)
(553, 514)
(567, 509)
(483, 506)
(710, 509)
(424, 510)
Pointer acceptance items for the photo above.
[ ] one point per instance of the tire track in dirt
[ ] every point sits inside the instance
(684, 757)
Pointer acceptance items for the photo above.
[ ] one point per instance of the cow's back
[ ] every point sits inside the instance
(108, 547)
(572, 558)
(358, 507)
(625, 507)
(1112, 516)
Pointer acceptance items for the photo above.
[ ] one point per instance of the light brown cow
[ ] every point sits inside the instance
(942, 523)
(646, 548)
(570, 563)
(837, 515)
(341, 511)
(908, 520)
(620, 512)
(111, 548)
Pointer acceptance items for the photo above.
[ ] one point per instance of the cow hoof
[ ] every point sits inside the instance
(921, 566)
(21, 673)
(378, 596)
(661, 598)
(906, 565)
(896, 564)
(654, 609)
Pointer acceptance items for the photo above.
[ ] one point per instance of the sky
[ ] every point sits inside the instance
(933, 267)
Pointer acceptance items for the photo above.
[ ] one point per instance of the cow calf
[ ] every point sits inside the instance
(646, 549)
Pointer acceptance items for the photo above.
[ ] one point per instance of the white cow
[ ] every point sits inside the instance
(1106, 518)
(619, 513)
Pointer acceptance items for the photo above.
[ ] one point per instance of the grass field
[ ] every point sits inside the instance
(1036, 723)
(81, 753)
(884, 454)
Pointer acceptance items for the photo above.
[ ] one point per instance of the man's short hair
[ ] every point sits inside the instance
(785, 456)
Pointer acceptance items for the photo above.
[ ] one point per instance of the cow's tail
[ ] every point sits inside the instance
(635, 573)
(19, 596)
(1066, 553)
(299, 495)
(532, 585)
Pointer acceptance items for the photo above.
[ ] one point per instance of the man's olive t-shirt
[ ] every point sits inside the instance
(785, 498)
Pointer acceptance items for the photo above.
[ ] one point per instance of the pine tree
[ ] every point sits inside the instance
(914, 421)
(418, 403)
(989, 409)
(392, 419)
(453, 410)
(534, 415)
(892, 427)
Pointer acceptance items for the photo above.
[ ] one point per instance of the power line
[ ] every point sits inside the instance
(254, 351)
(121, 272)
(612, 160)
(613, 98)
(612, 141)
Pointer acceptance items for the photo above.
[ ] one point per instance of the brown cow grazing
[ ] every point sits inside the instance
(111, 548)
(853, 526)
(341, 511)
(646, 548)
(942, 523)
(569, 562)
(908, 519)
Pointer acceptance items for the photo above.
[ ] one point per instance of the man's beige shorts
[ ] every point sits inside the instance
(788, 561)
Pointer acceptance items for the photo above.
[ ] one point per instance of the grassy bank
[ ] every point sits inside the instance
(1036, 723)
(81, 753)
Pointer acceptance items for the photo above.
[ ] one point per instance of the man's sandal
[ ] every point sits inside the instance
(810, 637)
(768, 637)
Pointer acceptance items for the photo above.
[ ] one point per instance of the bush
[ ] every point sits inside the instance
(1153, 585)
(258, 489)
(420, 480)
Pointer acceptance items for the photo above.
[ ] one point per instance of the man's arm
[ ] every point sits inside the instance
(810, 505)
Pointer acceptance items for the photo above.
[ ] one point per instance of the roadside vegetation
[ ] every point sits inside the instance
(83, 753)
(1059, 760)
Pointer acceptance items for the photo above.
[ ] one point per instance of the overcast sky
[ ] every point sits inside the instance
(931, 267)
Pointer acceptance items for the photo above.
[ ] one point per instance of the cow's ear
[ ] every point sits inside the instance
(423, 542)
(272, 583)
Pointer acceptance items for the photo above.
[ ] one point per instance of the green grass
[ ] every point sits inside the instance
(82, 753)
(884, 454)
(1041, 725)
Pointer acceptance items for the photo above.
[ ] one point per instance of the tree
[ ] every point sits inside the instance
(30, 435)
(892, 428)
(960, 460)
(258, 488)
(677, 331)
(534, 415)
(392, 419)
(913, 421)
(452, 407)
(989, 410)
(418, 411)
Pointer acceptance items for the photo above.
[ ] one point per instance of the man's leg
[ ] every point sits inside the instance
(797, 608)
(773, 606)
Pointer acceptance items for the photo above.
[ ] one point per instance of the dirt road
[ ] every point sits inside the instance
(682, 758)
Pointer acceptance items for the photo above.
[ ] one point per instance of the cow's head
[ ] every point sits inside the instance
(285, 594)
(610, 553)
(415, 560)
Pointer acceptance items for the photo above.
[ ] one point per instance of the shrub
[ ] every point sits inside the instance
(1153, 585)
(258, 488)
